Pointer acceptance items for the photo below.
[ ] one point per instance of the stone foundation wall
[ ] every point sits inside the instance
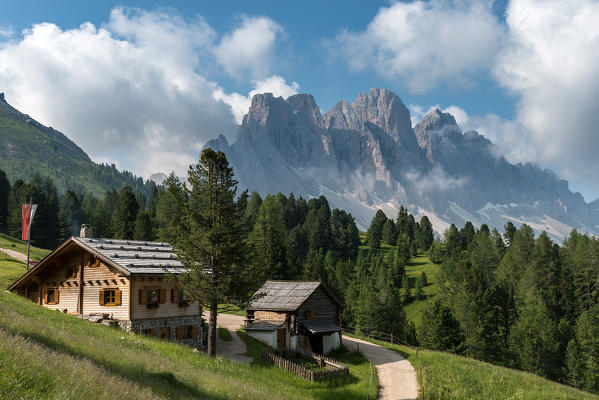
(270, 315)
(138, 326)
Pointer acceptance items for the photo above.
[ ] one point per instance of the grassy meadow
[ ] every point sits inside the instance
(20, 246)
(48, 355)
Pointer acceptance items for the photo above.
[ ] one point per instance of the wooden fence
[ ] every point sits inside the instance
(333, 368)
(383, 337)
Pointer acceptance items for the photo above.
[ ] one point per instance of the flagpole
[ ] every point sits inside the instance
(28, 236)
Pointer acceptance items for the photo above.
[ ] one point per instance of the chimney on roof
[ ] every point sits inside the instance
(86, 231)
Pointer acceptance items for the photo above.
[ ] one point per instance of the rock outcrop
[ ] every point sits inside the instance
(366, 155)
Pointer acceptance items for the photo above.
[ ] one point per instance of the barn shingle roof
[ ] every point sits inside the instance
(135, 256)
(282, 295)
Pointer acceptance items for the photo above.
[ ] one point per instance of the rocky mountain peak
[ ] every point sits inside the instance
(438, 122)
(384, 109)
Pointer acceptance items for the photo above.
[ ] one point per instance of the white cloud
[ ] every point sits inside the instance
(240, 103)
(509, 137)
(6, 33)
(436, 180)
(552, 62)
(460, 115)
(248, 50)
(133, 88)
(425, 43)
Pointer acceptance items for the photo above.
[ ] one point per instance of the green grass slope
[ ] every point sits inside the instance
(414, 269)
(47, 355)
(8, 242)
(446, 376)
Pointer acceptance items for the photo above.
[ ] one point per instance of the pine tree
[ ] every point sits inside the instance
(212, 242)
(4, 194)
(170, 209)
(439, 330)
(403, 251)
(389, 233)
(418, 289)
(125, 213)
(267, 239)
(534, 339)
(425, 234)
(251, 211)
(143, 227)
(375, 232)
(71, 214)
(510, 231)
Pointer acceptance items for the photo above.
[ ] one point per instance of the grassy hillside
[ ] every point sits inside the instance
(27, 148)
(8, 242)
(42, 355)
(448, 376)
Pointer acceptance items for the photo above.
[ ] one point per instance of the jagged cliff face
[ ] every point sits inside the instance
(365, 155)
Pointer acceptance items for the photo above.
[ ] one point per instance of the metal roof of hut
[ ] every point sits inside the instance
(285, 295)
(129, 257)
(135, 256)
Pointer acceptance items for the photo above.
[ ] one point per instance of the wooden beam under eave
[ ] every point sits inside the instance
(80, 294)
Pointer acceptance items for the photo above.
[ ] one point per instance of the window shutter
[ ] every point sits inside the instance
(179, 330)
(101, 297)
(194, 331)
(162, 296)
(46, 297)
(117, 297)
(174, 295)
(56, 299)
(142, 297)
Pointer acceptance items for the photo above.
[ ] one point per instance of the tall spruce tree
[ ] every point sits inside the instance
(143, 226)
(375, 232)
(425, 233)
(212, 242)
(4, 193)
(267, 239)
(125, 214)
(389, 233)
(170, 208)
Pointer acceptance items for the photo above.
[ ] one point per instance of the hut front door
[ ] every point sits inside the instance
(316, 343)
(281, 338)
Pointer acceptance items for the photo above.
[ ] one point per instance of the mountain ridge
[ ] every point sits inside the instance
(366, 155)
(29, 147)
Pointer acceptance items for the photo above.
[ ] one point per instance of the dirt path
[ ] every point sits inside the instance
(14, 254)
(397, 377)
(235, 349)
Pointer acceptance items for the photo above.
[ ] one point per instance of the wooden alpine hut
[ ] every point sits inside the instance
(295, 315)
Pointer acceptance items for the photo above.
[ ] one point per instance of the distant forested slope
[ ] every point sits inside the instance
(28, 148)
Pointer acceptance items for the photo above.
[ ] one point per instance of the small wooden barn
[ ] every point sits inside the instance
(295, 315)
(116, 282)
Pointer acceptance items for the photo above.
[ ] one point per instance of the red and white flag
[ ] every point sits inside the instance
(28, 212)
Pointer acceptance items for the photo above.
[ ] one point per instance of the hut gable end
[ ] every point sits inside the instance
(318, 306)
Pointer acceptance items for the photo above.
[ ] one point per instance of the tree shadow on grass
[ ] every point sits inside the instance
(161, 383)
(416, 263)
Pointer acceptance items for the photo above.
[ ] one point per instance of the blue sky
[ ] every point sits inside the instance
(470, 58)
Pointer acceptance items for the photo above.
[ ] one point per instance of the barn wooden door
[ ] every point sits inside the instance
(281, 336)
